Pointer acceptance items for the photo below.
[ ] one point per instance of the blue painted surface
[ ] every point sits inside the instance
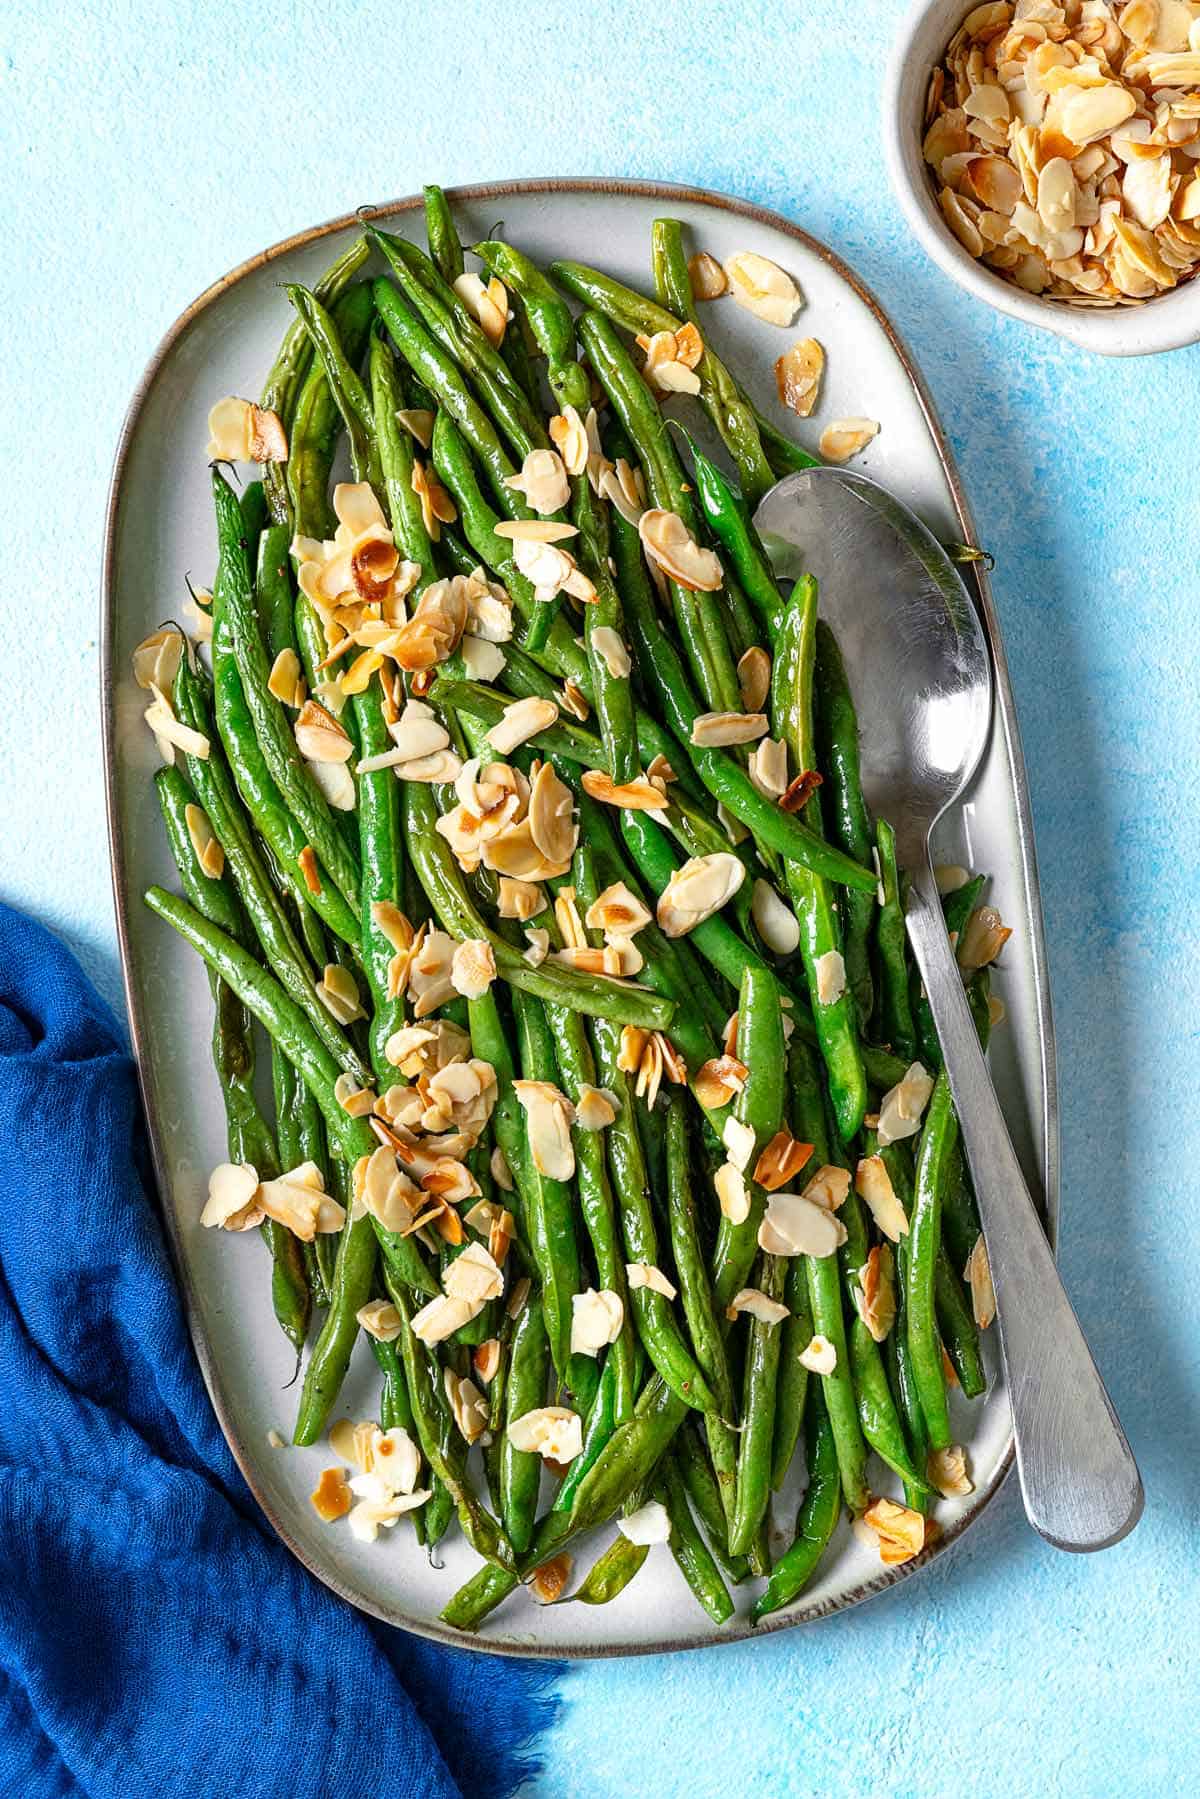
(147, 149)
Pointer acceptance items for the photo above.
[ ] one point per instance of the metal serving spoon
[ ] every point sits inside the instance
(923, 686)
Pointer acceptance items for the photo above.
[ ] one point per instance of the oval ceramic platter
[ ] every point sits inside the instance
(160, 526)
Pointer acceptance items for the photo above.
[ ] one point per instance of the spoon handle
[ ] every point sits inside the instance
(1079, 1480)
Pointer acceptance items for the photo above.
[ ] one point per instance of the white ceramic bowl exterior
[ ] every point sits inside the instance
(1166, 323)
(160, 525)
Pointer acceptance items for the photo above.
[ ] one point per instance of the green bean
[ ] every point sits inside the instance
(248, 1136)
(818, 1516)
(959, 1332)
(697, 615)
(812, 898)
(210, 777)
(825, 1292)
(784, 456)
(708, 1338)
(720, 395)
(660, 1334)
(895, 1022)
(444, 246)
(397, 461)
(759, 1106)
(937, 1139)
(549, 318)
(601, 1422)
(345, 384)
(521, 1470)
(758, 1414)
(457, 332)
(843, 805)
(728, 517)
(577, 1066)
(317, 421)
(287, 372)
(792, 1381)
(612, 1571)
(692, 1553)
(612, 692)
(233, 599)
(552, 1226)
(431, 364)
(353, 1278)
(301, 1136)
(704, 1492)
(481, 1530)
(381, 853)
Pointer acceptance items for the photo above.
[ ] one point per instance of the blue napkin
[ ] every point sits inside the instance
(155, 1636)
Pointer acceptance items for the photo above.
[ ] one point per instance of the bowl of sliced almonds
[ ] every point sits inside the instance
(1047, 155)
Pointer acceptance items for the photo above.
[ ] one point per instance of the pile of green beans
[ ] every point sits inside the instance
(713, 1393)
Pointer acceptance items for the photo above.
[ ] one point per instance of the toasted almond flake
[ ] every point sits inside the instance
(418, 423)
(902, 1105)
(339, 994)
(543, 484)
(209, 853)
(473, 967)
(781, 1161)
(645, 1274)
(981, 940)
(319, 736)
(718, 1081)
(798, 792)
(707, 277)
(487, 302)
(568, 434)
(596, 1320)
(758, 1305)
(573, 701)
(798, 376)
(774, 921)
(521, 720)
(331, 1498)
(646, 1526)
(467, 1406)
(768, 767)
(539, 947)
(732, 1193)
(608, 646)
(845, 438)
(899, 1531)
(285, 680)
(354, 1100)
(275, 1440)
(978, 1276)
(873, 1183)
(875, 1292)
(170, 733)
(232, 1189)
(548, 1582)
(670, 546)
(548, 1115)
(535, 530)
(794, 1225)
(754, 678)
(828, 1187)
(552, 1431)
(819, 1357)
(156, 659)
(698, 890)
(596, 1108)
(617, 909)
(380, 1320)
(716, 730)
(639, 795)
(239, 431)
(762, 287)
(521, 900)
(947, 1470)
(306, 861)
(629, 1053)
(437, 508)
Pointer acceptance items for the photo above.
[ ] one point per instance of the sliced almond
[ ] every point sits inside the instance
(845, 438)
(521, 720)
(873, 1183)
(380, 1320)
(775, 922)
(899, 1531)
(521, 900)
(548, 1115)
(548, 1582)
(762, 287)
(706, 276)
(716, 730)
(552, 1431)
(719, 1081)
(670, 546)
(698, 890)
(645, 1274)
(617, 909)
(473, 967)
(609, 647)
(902, 1105)
(781, 1161)
(354, 1100)
(544, 485)
(331, 1498)
(793, 1225)
(339, 993)
(596, 1320)
(875, 1294)
(729, 1184)
(487, 302)
(798, 376)
(978, 1276)
(639, 795)
(819, 1356)
(319, 736)
(758, 1305)
(209, 853)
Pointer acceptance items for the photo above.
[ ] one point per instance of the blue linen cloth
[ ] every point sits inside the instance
(155, 1635)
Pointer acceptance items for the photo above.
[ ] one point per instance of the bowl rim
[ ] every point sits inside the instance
(1170, 321)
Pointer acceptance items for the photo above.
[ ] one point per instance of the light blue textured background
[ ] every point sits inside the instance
(146, 150)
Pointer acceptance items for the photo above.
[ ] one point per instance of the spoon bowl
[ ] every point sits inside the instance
(923, 690)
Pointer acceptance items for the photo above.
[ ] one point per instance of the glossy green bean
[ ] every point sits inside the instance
(938, 1134)
(758, 1414)
(895, 1019)
(444, 246)
(317, 422)
(843, 806)
(691, 1552)
(759, 1106)
(521, 1470)
(819, 1511)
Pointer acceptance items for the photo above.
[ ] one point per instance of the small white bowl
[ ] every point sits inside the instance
(1165, 323)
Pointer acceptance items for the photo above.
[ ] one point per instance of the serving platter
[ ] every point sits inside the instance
(160, 527)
